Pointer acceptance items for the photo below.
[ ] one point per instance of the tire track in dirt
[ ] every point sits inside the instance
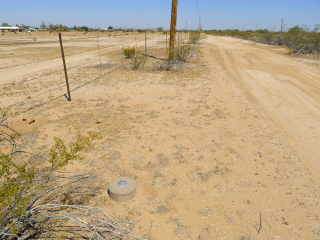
(287, 92)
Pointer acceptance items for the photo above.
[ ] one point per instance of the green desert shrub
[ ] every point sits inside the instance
(183, 52)
(299, 39)
(129, 52)
(24, 187)
(194, 37)
(136, 56)
(138, 59)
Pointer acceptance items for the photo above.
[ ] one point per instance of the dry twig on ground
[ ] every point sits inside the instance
(47, 201)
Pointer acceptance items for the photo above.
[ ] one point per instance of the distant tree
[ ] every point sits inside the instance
(5, 25)
(53, 26)
(17, 25)
(85, 28)
(296, 29)
(110, 27)
(262, 31)
(316, 28)
(43, 25)
(60, 26)
(160, 29)
(24, 26)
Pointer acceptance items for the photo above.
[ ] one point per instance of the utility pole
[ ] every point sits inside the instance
(148, 26)
(256, 26)
(174, 10)
(200, 27)
(186, 24)
(281, 24)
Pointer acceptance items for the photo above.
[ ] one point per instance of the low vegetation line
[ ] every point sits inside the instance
(299, 39)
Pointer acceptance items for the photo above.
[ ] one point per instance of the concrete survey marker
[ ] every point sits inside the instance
(122, 189)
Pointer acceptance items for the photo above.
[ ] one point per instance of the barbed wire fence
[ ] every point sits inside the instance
(31, 82)
(89, 58)
(81, 73)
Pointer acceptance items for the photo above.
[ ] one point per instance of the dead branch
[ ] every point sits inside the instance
(50, 201)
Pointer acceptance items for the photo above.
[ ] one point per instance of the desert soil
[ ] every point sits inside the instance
(225, 146)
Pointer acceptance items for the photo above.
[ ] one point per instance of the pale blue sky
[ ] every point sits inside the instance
(241, 14)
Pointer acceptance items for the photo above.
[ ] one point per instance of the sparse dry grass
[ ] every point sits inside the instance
(201, 154)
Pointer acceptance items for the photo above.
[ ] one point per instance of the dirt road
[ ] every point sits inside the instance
(286, 92)
(217, 149)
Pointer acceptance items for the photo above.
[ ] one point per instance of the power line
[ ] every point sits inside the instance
(312, 16)
(198, 15)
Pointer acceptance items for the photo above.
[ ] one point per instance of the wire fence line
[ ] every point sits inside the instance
(74, 54)
(104, 58)
(92, 39)
(36, 89)
(64, 94)
(44, 75)
(53, 41)
(33, 103)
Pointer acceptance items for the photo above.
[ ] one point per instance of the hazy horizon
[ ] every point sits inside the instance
(242, 15)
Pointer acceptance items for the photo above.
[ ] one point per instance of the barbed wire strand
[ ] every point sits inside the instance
(76, 88)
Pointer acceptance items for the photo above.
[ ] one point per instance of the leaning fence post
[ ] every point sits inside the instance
(146, 42)
(166, 40)
(65, 67)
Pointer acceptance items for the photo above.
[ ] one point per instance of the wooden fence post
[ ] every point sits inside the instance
(65, 68)
(146, 42)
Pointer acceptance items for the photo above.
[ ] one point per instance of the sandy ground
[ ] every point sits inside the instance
(226, 147)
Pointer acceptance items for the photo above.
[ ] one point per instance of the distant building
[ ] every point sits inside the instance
(32, 30)
(107, 29)
(9, 29)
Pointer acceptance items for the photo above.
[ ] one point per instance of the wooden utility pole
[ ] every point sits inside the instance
(186, 24)
(281, 24)
(174, 10)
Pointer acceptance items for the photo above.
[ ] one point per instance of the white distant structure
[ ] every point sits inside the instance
(12, 29)
(107, 29)
(32, 30)
(17, 29)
